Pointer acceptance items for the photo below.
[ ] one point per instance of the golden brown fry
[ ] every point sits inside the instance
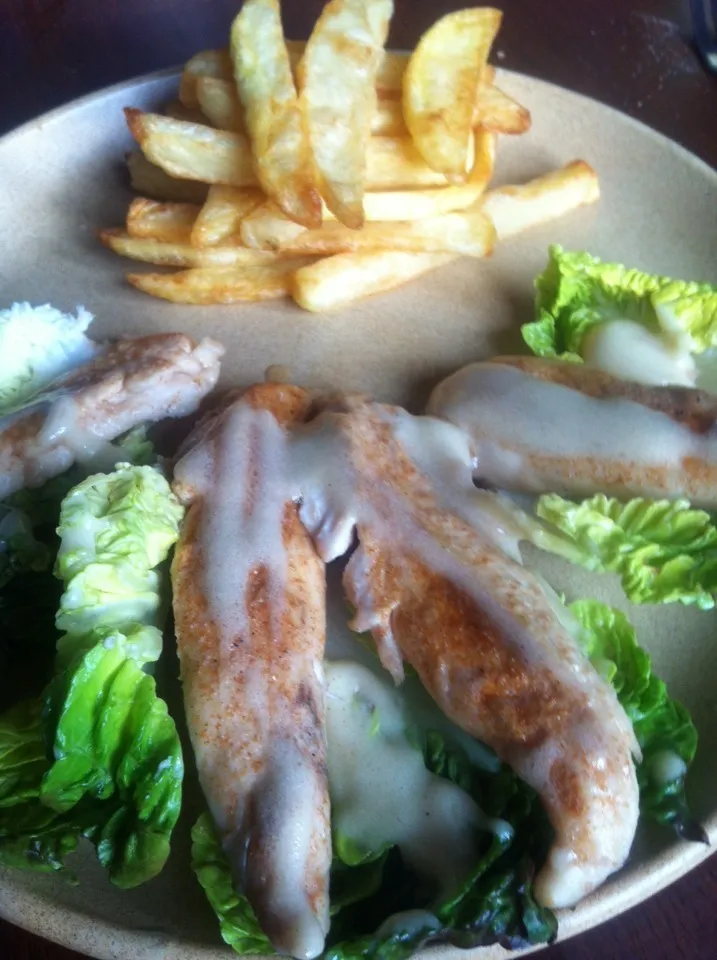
(151, 181)
(340, 280)
(206, 63)
(468, 232)
(441, 82)
(220, 218)
(216, 156)
(267, 228)
(499, 113)
(277, 133)
(337, 80)
(169, 222)
(514, 209)
(192, 151)
(178, 254)
(219, 102)
(177, 111)
(219, 284)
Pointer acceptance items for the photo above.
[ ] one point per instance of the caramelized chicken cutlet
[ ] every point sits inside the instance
(543, 426)
(131, 382)
(249, 603)
(491, 646)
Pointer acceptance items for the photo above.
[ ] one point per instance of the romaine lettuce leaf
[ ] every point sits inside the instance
(102, 760)
(37, 345)
(578, 291)
(237, 921)
(663, 550)
(663, 727)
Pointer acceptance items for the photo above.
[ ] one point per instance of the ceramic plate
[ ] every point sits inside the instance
(61, 179)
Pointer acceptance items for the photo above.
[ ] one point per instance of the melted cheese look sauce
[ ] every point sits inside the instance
(628, 350)
(381, 792)
(537, 436)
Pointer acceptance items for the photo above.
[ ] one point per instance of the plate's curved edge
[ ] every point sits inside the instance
(96, 936)
(57, 113)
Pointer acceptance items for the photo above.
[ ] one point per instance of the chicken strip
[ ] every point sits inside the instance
(129, 383)
(544, 426)
(491, 646)
(249, 604)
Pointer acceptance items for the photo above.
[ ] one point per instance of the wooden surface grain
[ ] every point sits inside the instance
(635, 55)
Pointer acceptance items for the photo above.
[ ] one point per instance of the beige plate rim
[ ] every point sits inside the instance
(82, 931)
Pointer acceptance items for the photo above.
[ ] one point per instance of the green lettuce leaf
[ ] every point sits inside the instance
(99, 757)
(237, 921)
(663, 727)
(663, 550)
(577, 291)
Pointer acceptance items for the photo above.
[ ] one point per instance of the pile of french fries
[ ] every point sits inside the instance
(332, 169)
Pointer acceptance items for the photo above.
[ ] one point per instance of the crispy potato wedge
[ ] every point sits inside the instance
(151, 181)
(206, 63)
(192, 151)
(337, 77)
(514, 209)
(219, 284)
(470, 233)
(389, 78)
(201, 153)
(220, 104)
(337, 281)
(169, 222)
(499, 113)
(393, 162)
(219, 220)
(268, 228)
(177, 111)
(418, 204)
(177, 254)
(277, 133)
(441, 82)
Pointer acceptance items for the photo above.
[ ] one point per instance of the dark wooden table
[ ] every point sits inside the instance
(633, 54)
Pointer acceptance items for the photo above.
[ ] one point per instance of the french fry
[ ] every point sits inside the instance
(441, 83)
(337, 281)
(267, 228)
(206, 63)
(220, 218)
(219, 284)
(217, 63)
(499, 113)
(220, 104)
(277, 133)
(169, 222)
(151, 181)
(177, 111)
(178, 254)
(337, 81)
(389, 79)
(399, 205)
(393, 162)
(468, 232)
(194, 152)
(514, 209)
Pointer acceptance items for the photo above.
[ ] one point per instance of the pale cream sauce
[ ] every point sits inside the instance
(628, 350)
(381, 792)
(511, 416)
